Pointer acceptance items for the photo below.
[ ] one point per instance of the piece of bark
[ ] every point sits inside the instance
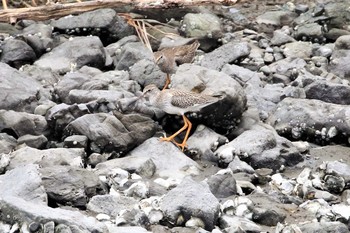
(54, 11)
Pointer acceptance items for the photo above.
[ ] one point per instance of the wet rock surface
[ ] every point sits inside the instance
(80, 151)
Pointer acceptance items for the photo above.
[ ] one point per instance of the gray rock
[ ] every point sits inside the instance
(266, 70)
(34, 226)
(146, 72)
(287, 66)
(49, 227)
(225, 54)
(39, 37)
(334, 33)
(242, 75)
(224, 114)
(5, 227)
(35, 141)
(320, 62)
(238, 224)
(324, 51)
(7, 143)
(19, 92)
(340, 57)
(262, 146)
(70, 81)
(190, 199)
(334, 184)
(110, 204)
(62, 228)
(16, 53)
(271, 20)
(60, 115)
(142, 166)
(130, 229)
(338, 18)
(46, 158)
(160, 153)
(324, 227)
(301, 8)
(222, 184)
(76, 141)
(95, 21)
(338, 169)
(204, 141)
(21, 123)
(118, 133)
(24, 182)
(70, 185)
(24, 199)
(96, 158)
(264, 98)
(25, 211)
(44, 76)
(342, 43)
(309, 31)
(294, 92)
(114, 48)
(267, 217)
(268, 58)
(280, 38)
(236, 165)
(201, 25)
(85, 96)
(328, 92)
(74, 54)
(338, 63)
(131, 53)
(298, 49)
(82, 87)
(317, 120)
(280, 78)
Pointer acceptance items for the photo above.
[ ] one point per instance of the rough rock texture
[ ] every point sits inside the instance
(313, 119)
(70, 185)
(74, 54)
(227, 53)
(18, 92)
(191, 199)
(21, 123)
(112, 132)
(46, 158)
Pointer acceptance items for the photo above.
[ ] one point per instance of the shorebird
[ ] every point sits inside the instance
(168, 59)
(177, 102)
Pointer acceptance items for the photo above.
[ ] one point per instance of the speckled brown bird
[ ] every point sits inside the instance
(168, 59)
(177, 102)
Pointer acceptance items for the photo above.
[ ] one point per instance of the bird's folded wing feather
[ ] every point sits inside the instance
(185, 100)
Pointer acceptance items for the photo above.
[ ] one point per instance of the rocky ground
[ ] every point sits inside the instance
(78, 154)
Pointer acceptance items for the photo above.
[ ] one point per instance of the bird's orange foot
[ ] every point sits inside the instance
(166, 139)
(183, 145)
(170, 139)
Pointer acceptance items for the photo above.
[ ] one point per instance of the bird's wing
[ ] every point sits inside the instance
(185, 100)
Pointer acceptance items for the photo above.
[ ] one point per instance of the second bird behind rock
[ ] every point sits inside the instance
(168, 59)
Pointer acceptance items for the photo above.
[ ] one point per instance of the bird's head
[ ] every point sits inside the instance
(158, 57)
(150, 93)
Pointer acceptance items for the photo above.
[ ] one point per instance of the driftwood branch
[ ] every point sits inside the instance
(59, 10)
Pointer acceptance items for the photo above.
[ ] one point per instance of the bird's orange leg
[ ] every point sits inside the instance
(183, 144)
(171, 138)
(167, 81)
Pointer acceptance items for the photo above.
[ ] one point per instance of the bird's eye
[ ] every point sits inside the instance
(158, 58)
